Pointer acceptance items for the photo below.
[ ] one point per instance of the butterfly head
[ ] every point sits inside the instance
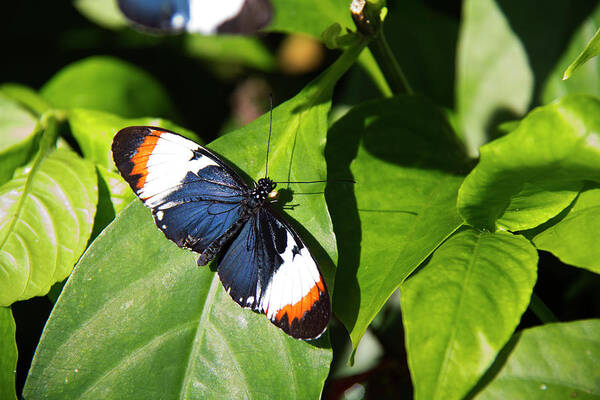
(265, 189)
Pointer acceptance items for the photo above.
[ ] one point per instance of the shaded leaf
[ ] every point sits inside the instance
(530, 175)
(94, 131)
(46, 216)
(553, 361)
(404, 159)
(494, 80)
(18, 129)
(8, 350)
(120, 192)
(108, 84)
(462, 307)
(573, 237)
(587, 78)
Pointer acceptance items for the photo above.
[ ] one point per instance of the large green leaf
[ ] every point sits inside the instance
(573, 235)
(554, 361)
(17, 137)
(138, 318)
(533, 173)
(494, 81)
(587, 78)
(108, 84)
(404, 158)
(8, 352)
(46, 216)
(94, 131)
(462, 307)
(136, 300)
(309, 16)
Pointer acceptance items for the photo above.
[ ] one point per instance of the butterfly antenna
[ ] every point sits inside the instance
(269, 139)
(327, 180)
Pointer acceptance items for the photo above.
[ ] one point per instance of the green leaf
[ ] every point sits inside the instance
(94, 132)
(8, 350)
(120, 193)
(572, 236)
(108, 84)
(46, 216)
(462, 307)
(592, 49)
(586, 80)
(244, 50)
(26, 97)
(553, 361)
(105, 13)
(18, 129)
(309, 16)
(135, 302)
(530, 175)
(404, 157)
(494, 80)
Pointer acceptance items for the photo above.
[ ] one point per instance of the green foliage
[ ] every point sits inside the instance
(432, 254)
(537, 363)
(8, 349)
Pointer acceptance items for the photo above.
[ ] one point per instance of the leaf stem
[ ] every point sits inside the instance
(389, 65)
(541, 310)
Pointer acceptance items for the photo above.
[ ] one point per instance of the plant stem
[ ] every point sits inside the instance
(388, 64)
(541, 311)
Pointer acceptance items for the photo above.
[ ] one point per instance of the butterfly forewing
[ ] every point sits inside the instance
(202, 204)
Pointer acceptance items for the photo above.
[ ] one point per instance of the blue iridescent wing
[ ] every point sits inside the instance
(194, 196)
(269, 269)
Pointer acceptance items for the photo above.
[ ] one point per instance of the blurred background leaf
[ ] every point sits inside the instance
(8, 349)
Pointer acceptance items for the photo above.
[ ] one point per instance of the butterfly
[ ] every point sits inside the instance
(199, 202)
(198, 16)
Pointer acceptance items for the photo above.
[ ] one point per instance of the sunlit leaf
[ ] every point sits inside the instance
(8, 350)
(494, 80)
(309, 16)
(462, 307)
(108, 84)
(46, 216)
(18, 133)
(136, 300)
(573, 237)
(530, 175)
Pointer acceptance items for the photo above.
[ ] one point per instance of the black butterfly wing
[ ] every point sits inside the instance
(269, 269)
(194, 196)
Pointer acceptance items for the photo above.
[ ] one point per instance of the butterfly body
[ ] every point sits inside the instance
(199, 202)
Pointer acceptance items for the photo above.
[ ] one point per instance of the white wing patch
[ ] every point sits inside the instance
(206, 16)
(295, 278)
(167, 166)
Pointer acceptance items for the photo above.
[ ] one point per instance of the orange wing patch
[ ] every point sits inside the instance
(140, 159)
(299, 309)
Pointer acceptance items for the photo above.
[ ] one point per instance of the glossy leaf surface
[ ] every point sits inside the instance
(530, 175)
(462, 307)
(46, 217)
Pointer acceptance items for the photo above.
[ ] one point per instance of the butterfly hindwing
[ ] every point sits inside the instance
(201, 16)
(195, 198)
(268, 268)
